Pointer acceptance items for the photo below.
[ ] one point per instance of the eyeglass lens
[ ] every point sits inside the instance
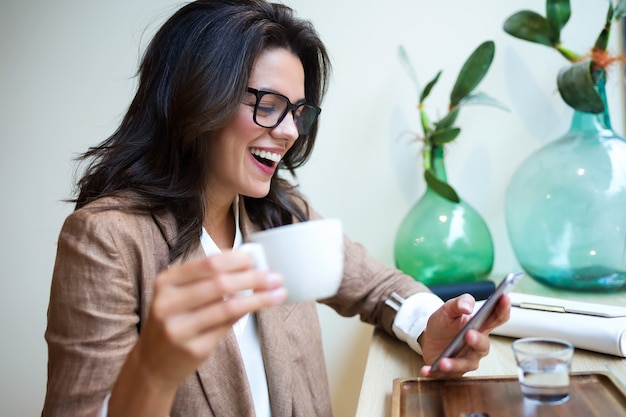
(271, 108)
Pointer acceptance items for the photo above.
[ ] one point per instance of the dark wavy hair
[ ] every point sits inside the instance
(192, 78)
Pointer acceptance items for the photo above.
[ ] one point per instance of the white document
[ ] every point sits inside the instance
(589, 326)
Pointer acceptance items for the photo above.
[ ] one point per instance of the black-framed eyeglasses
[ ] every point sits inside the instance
(271, 108)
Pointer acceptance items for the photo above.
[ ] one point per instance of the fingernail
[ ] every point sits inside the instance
(279, 294)
(274, 279)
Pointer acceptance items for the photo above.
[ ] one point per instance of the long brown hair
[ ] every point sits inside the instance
(192, 78)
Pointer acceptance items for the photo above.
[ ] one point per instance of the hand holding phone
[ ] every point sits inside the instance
(481, 316)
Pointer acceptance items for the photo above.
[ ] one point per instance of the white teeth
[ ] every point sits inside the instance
(274, 157)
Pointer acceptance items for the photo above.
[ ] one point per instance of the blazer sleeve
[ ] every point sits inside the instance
(366, 285)
(95, 308)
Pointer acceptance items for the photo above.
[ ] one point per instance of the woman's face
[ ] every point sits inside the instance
(245, 155)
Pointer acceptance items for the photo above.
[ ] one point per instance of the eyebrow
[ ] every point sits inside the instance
(271, 90)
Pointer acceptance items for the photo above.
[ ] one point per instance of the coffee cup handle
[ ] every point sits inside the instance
(255, 250)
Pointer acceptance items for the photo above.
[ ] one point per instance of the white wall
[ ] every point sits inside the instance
(66, 72)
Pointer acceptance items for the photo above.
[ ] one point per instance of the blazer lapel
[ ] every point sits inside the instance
(276, 357)
(222, 377)
(224, 380)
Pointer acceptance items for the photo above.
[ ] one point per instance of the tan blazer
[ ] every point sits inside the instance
(101, 292)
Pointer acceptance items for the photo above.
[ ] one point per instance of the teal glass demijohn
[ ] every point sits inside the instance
(566, 207)
(442, 242)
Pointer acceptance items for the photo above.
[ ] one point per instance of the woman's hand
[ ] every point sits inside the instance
(443, 326)
(194, 306)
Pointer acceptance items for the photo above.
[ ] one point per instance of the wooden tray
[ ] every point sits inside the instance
(591, 395)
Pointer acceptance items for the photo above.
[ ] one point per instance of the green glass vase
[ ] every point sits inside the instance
(566, 207)
(442, 242)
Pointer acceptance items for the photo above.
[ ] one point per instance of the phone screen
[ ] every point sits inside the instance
(478, 319)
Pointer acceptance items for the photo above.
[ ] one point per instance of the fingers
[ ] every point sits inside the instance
(449, 368)
(213, 287)
(500, 315)
(224, 312)
(464, 304)
(215, 277)
(477, 347)
(195, 304)
(459, 306)
(502, 312)
(199, 268)
(197, 333)
(208, 292)
(440, 331)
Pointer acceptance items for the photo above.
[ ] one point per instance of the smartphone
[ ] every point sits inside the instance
(478, 319)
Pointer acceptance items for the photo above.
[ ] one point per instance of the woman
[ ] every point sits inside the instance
(142, 320)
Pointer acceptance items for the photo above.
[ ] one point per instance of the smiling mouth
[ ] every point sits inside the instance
(269, 159)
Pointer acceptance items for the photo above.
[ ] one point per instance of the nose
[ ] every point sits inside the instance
(287, 128)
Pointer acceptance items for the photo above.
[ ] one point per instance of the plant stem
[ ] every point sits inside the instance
(568, 54)
(426, 155)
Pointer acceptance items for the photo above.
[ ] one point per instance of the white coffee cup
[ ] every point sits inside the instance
(309, 256)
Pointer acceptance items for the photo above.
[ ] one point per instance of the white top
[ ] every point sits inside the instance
(247, 335)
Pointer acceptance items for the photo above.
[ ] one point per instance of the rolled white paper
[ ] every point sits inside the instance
(584, 330)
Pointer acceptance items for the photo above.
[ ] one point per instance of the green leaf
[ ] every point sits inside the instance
(483, 99)
(603, 38)
(620, 10)
(449, 119)
(440, 187)
(558, 13)
(473, 71)
(530, 26)
(408, 67)
(444, 135)
(429, 87)
(577, 88)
